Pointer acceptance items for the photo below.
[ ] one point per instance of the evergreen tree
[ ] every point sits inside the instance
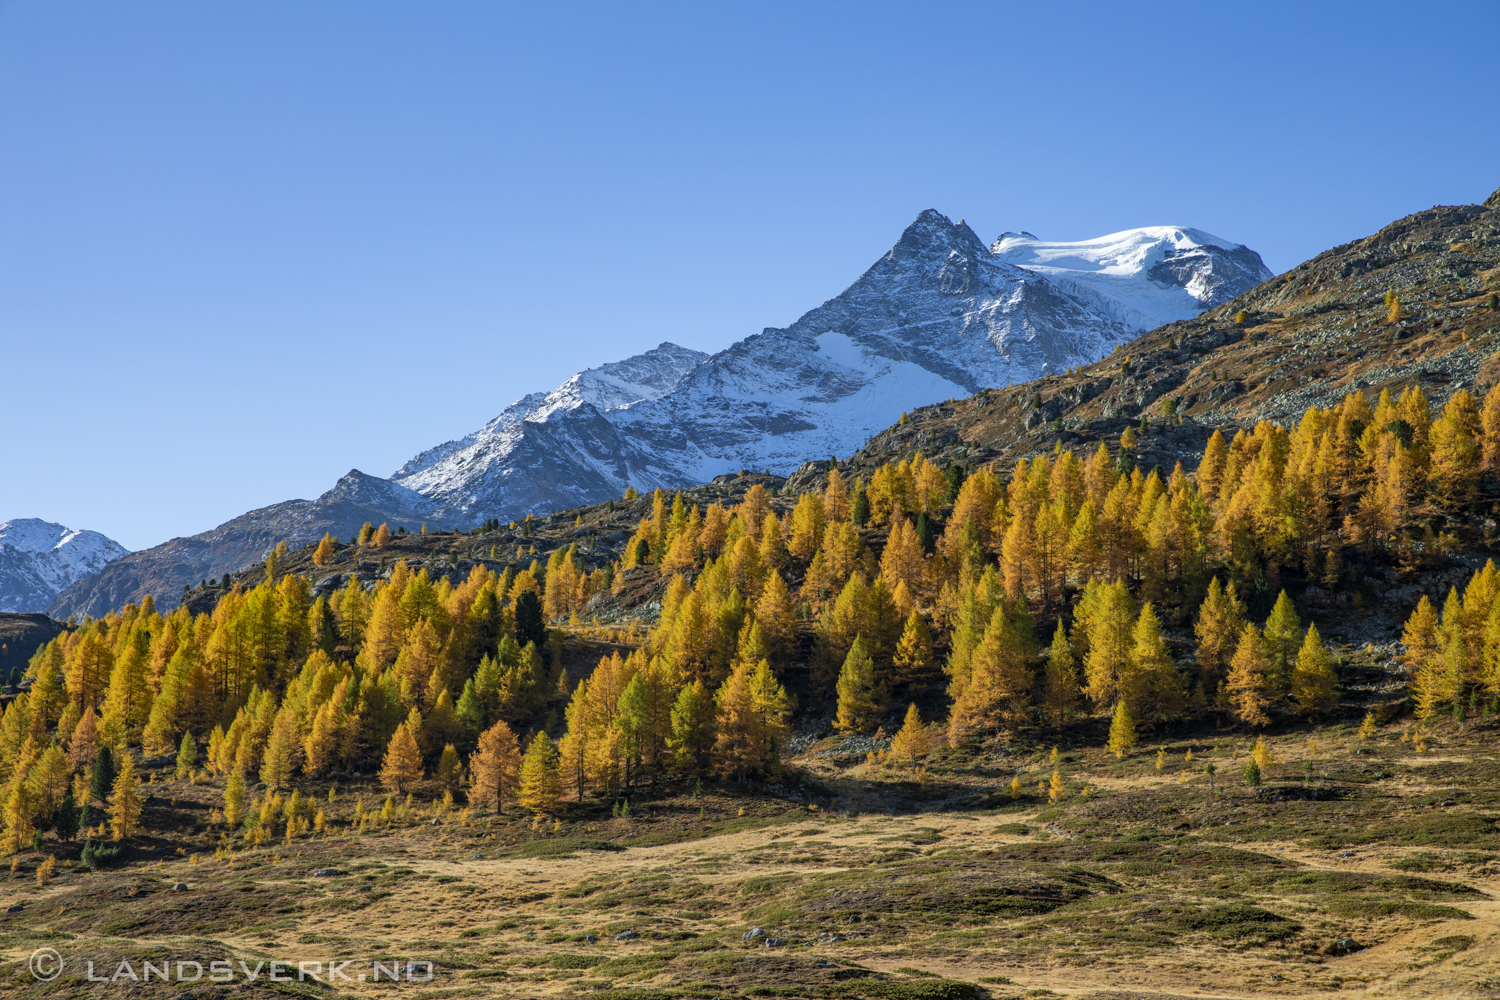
(540, 785)
(530, 627)
(402, 767)
(125, 801)
(495, 767)
(470, 713)
(1121, 731)
(692, 737)
(910, 744)
(102, 778)
(861, 698)
(1314, 682)
(860, 513)
(1249, 689)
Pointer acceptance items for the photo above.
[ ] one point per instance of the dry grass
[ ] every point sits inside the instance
(1149, 885)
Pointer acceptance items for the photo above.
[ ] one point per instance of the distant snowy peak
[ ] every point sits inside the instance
(39, 559)
(1142, 277)
(611, 386)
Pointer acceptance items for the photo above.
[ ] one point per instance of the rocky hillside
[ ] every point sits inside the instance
(163, 570)
(20, 635)
(39, 559)
(1305, 338)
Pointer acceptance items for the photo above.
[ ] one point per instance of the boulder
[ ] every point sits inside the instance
(1343, 946)
(180, 887)
(326, 873)
(752, 934)
(626, 936)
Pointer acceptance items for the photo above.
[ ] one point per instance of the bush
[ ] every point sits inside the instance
(101, 855)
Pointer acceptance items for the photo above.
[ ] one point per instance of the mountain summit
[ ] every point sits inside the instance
(38, 559)
(938, 315)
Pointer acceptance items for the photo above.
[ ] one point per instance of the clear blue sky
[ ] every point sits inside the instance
(246, 247)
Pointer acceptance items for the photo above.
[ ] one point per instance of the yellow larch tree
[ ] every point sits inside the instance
(125, 800)
(1248, 686)
(909, 745)
(1314, 682)
(495, 767)
(402, 768)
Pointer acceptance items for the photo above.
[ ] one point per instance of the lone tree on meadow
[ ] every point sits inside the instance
(910, 744)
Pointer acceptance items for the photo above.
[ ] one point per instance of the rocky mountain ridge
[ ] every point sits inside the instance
(163, 570)
(939, 315)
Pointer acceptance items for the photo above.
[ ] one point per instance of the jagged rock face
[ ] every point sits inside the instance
(940, 315)
(39, 559)
(163, 570)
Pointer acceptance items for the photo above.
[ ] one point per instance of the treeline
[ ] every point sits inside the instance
(866, 582)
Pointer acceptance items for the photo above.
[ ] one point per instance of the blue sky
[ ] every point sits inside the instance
(244, 248)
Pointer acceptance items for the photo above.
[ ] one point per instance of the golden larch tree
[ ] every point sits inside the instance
(495, 767)
(1122, 738)
(1248, 686)
(125, 800)
(402, 768)
(1314, 682)
(909, 745)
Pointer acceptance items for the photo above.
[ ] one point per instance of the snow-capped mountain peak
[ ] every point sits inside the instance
(1144, 277)
(938, 315)
(38, 559)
